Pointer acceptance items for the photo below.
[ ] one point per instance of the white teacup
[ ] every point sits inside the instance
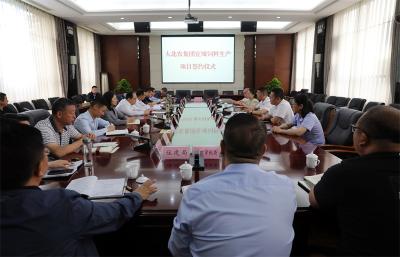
(132, 171)
(312, 160)
(146, 128)
(135, 133)
(186, 171)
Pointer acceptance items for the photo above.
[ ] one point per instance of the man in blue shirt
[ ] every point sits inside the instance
(242, 211)
(55, 222)
(90, 121)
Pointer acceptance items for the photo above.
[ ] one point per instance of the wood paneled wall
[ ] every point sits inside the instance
(272, 57)
(119, 58)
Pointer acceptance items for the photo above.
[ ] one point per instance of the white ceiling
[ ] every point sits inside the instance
(96, 15)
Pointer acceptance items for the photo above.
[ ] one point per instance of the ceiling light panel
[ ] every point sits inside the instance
(167, 25)
(122, 25)
(221, 25)
(155, 5)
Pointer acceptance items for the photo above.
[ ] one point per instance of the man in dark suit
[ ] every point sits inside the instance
(93, 94)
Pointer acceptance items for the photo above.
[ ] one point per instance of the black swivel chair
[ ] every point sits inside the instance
(371, 104)
(325, 113)
(10, 109)
(182, 93)
(77, 99)
(34, 116)
(197, 93)
(357, 104)
(331, 100)
(52, 100)
(40, 104)
(211, 93)
(340, 133)
(24, 106)
(228, 92)
(397, 106)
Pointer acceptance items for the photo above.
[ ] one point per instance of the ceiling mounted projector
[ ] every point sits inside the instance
(189, 19)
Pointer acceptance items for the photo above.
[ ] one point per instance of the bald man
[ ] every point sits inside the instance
(364, 191)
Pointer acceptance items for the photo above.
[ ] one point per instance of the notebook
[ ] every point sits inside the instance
(60, 172)
(96, 188)
(309, 182)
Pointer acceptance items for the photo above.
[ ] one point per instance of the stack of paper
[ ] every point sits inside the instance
(106, 147)
(95, 188)
(117, 132)
(309, 182)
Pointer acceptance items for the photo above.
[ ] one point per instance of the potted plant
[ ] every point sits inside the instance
(123, 86)
(274, 83)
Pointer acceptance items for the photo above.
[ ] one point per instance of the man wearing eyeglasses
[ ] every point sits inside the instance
(364, 191)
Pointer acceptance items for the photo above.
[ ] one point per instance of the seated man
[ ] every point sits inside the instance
(281, 112)
(305, 123)
(57, 130)
(55, 222)
(264, 104)
(152, 97)
(147, 95)
(90, 121)
(141, 95)
(3, 103)
(245, 99)
(164, 92)
(128, 107)
(364, 191)
(93, 94)
(243, 210)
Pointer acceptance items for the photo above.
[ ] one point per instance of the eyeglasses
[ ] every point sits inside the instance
(354, 128)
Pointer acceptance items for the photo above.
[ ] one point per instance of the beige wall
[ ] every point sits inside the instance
(155, 69)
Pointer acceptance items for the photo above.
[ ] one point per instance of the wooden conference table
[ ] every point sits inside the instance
(151, 228)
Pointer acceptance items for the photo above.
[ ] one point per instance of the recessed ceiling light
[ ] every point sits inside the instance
(122, 18)
(229, 17)
(278, 17)
(170, 17)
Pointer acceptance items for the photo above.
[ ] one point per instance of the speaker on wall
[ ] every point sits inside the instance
(248, 26)
(142, 27)
(195, 27)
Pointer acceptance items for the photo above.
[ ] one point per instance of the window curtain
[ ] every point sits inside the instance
(29, 67)
(361, 51)
(87, 61)
(62, 53)
(304, 58)
(97, 58)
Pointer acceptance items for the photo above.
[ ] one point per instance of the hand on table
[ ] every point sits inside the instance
(59, 164)
(149, 187)
(111, 127)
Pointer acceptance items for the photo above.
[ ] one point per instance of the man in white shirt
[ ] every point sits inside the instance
(264, 104)
(128, 106)
(281, 112)
(140, 102)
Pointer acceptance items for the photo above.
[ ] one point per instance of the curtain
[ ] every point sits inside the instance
(293, 73)
(395, 66)
(328, 50)
(304, 58)
(86, 59)
(62, 53)
(361, 51)
(29, 67)
(97, 59)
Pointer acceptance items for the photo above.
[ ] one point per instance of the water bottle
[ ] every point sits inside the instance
(88, 157)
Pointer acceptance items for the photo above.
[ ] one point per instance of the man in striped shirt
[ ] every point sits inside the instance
(58, 133)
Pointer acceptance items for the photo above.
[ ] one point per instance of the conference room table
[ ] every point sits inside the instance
(151, 227)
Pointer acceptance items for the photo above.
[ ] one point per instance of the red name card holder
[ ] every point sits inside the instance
(197, 99)
(159, 147)
(208, 152)
(175, 153)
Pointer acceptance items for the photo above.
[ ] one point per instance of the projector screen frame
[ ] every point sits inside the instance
(199, 35)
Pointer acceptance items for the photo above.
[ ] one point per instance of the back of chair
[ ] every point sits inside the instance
(10, 108)
(371, 104)
(342, 101)
(325, 113)
(40, 104)
(340, 133)
(77, 99)
(35, 115)
(182, 93)
(397, 106)
(171, 93)
(357, 104)
(210, 93)
(197, 93)
(319, 98)
(228, 92)
(331, 100)
(24, 106)
(52, 100)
